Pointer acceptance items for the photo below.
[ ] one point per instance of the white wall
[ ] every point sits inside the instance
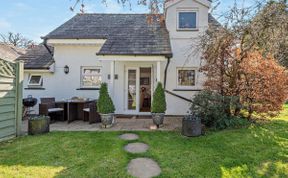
(64, 86)
(183, 47)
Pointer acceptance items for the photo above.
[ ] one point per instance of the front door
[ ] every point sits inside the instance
(132, 88)
(138, 90)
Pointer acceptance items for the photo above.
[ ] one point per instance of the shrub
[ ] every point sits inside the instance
(214, 109)
(159, 101)
(105, 104)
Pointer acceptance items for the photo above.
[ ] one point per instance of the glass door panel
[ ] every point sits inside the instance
(132, 89)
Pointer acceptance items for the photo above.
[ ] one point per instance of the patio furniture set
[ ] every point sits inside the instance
(70, 110)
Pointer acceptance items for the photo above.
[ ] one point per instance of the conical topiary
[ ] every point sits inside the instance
(159, 101)
(105, 104)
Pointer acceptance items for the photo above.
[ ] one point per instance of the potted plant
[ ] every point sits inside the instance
(191, 126)
(158, 107)
(38, 125)
(105, 107)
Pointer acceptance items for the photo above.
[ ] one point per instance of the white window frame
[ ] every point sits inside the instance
(82, 74)
(39, 84)
(178, 21)
(183, 86)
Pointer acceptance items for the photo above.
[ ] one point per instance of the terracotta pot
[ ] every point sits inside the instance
(107, 120)
(158, 118)
(38, 125)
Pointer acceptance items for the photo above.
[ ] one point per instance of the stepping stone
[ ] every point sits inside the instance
(136, 147)
(143, 168)
(129, 136)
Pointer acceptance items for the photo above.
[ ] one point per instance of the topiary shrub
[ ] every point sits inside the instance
(159, 100)
(105, 104)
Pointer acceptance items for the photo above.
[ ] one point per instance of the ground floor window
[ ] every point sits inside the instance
(91, 77)
(186, 77)
(35, 80)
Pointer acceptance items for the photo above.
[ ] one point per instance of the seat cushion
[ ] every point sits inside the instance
(86, 109)
(55, 110)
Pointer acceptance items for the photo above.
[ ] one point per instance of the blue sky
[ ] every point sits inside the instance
(35, 18)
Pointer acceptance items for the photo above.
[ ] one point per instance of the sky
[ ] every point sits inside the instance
(36, 18)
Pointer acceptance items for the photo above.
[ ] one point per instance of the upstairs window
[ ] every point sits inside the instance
(187, 20)
(91, 77)
(35, 80)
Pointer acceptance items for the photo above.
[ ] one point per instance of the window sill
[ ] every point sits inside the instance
(188, 30)
(187, 89)
(30, 88)
(88, 89)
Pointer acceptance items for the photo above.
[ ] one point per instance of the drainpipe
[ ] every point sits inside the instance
(169, 92)
(46, 46)
(165, 72)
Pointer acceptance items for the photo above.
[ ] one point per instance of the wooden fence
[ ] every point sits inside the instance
(11, 83)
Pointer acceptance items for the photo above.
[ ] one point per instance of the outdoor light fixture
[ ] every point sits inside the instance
(66, 69)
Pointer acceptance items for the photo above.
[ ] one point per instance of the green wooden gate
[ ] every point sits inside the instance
(11, 83)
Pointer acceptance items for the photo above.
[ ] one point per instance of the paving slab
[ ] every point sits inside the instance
(143, 168)
(129, 136)
(136, 147)
(121, 124)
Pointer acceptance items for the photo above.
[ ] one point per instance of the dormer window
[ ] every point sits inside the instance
(187, 20)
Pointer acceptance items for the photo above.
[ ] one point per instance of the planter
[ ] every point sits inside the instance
(38, 125)
(191, 126)
(107, 120)
(158, 118)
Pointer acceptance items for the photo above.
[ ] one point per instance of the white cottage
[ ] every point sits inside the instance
(125, 51)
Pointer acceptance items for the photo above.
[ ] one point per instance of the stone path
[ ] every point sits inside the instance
(140, 167)
(143, 168)
(136, 147)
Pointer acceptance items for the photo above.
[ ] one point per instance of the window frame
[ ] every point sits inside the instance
(82, 74)
(178, 20)
(178, 86)
(39, 84)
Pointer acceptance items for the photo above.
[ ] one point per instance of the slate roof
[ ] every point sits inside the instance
(125, 34)
(38, 57)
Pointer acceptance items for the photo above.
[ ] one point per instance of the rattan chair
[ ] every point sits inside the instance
(91, 114)
(49, 107)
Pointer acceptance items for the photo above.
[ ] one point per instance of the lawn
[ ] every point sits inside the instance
(260, 150)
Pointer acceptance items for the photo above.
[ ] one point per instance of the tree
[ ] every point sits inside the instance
(226, 49)
(263, 85)
(16, 39)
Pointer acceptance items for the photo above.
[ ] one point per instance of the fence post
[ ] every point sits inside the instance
(19, 95)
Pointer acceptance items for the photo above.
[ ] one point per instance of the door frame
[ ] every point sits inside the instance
(137, 68)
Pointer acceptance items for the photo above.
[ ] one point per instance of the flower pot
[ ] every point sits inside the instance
(38, 125)
(191, 126)
(107, 120)
(158, 118)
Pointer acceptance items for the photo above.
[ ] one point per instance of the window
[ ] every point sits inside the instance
(187, 20)
(35, 80)
(186, 77)
(91, 77)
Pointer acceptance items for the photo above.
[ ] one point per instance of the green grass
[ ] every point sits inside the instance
(260, 150)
